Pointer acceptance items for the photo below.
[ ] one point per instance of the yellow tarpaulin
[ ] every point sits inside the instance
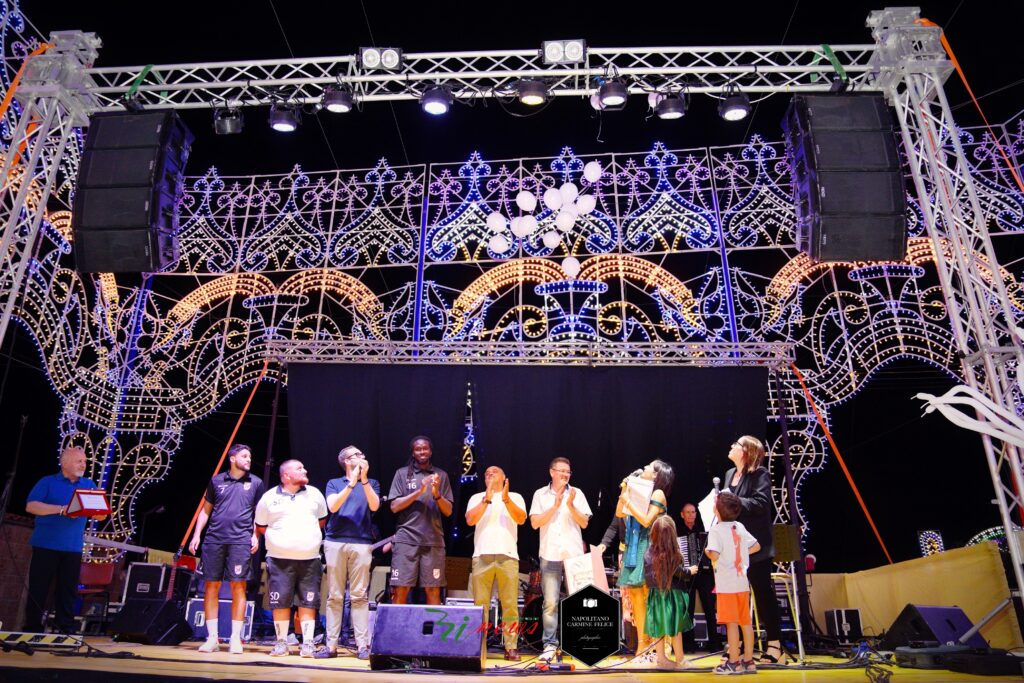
(971, 578)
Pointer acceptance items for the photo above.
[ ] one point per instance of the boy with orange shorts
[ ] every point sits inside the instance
(729, 547)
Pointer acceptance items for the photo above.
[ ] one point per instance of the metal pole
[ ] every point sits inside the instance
(804, 608)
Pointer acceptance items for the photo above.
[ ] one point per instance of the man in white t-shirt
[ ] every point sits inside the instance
(292, 515)
(561, 513)
(497, 514)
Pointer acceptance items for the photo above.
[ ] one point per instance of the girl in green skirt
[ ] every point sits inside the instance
(667, 616)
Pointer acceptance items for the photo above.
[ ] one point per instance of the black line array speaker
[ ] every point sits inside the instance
(848, 190)
(124, 216)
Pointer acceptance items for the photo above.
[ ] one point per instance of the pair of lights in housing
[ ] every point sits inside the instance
(564, 51)
(380, 58)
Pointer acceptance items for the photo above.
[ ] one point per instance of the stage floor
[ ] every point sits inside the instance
(162, 662)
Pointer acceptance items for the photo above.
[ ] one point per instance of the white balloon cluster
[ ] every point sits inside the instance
(565, 202)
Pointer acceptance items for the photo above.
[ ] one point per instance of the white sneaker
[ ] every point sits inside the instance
(549, 653)
(235, 647)
(211, 645)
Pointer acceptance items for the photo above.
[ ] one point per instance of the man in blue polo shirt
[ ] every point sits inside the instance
(56, 542)
(351, 500)
(230, 504)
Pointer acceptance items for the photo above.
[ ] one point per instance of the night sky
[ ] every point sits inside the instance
(914, 472)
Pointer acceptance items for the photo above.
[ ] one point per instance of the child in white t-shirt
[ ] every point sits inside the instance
(729, 547)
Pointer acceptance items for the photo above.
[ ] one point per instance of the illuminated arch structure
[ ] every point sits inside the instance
(685, 246)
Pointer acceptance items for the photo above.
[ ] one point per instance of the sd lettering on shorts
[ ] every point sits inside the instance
(437, 572)
(238, 569)
(309, 596)
(274, 596)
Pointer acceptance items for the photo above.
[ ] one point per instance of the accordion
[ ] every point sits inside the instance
(692, 548)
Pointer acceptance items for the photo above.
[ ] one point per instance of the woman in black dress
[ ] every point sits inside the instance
(749, 480)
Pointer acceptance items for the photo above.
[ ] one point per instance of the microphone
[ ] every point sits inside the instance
(717, 483)
(635, 473)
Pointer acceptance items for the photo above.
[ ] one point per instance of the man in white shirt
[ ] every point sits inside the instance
(497, 514)
(561, 513)
(292, 515)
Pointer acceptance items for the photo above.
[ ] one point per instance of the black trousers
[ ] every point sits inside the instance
(759, 574)
(46, 567)
(702, 584)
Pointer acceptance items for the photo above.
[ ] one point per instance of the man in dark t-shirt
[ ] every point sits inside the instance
(231, 538)
(420, 496)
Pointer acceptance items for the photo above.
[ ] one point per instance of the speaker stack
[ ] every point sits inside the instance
(848, 187)
(124, 216)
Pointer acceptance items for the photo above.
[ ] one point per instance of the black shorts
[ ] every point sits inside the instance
(294, 578)
(227, 561)
(421, 565)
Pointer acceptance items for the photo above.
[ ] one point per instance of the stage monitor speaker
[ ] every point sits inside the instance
(848, 191)
(151, 622)
(927, 625)
(428, 637)
(125, 216)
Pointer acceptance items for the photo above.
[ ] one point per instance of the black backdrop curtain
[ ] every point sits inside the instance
(607, 421)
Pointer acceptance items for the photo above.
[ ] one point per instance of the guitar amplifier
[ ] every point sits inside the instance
(196, 617)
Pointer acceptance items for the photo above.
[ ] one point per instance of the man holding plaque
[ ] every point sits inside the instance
(56, 542)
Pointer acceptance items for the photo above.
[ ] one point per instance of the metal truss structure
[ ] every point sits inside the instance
(776, 355)
(688, 258)
(475, 75)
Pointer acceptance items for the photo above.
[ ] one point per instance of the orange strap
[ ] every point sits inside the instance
(9, 96)
(227, 446)
(17, 77)
(842, 463)
(963, 77)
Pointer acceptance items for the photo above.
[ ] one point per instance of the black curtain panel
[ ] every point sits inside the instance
(607, 421)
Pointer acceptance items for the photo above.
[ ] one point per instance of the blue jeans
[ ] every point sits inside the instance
(551, 588)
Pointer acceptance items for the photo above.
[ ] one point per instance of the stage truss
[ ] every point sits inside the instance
(688, 259)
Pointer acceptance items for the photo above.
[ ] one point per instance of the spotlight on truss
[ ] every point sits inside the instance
(613, 94)
(670, 106)
(227, 121)
(532, 92)
(436, 100)
(284, 118)
(337, 100)
(735, 104)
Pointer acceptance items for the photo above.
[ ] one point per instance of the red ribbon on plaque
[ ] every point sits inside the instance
(88, 503)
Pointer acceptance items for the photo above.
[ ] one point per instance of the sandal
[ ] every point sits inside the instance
(782, 657)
